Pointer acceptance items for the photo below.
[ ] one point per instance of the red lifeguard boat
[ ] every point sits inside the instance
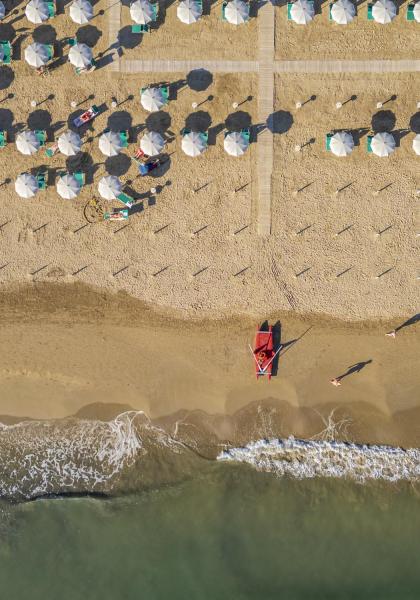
(264, 353)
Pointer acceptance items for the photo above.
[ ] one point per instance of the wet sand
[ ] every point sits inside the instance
(73, 350)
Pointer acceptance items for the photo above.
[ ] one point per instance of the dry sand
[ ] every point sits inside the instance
(361, 39)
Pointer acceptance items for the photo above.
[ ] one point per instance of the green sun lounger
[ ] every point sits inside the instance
(224, 4)
(41, 179)
(369, 12)
(140, 28)
(80, 178)
(41, 136)
(328, 141)
(124, 138)
(155, 9)
(3, 139)
(72, 41)
(7, 52)
(289, 11)
(165, 92)
(50, 49)
(329, 12)
(51, 8)
(126, 199)
(369, 143)
(410, 12)
(246, 133)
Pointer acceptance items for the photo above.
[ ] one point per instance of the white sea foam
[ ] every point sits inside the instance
(306, 459)
(42, 457)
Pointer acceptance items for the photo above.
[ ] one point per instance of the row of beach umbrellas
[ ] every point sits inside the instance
(194, 143)
(382, 144)
(38, 55)
(152, 143)
(68, 186)
(142, 11)
(344, 11)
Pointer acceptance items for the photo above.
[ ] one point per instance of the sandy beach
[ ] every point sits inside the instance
(73, 350)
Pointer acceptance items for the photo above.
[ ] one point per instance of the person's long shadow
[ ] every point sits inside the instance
(356, 368)
(411, 321)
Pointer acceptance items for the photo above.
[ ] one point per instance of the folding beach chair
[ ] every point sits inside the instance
(369, 143)
(165, 93)
(369, 12)
(410, 12)
(224, 4)
(126, 199)
(117, 214)
(3, 138)
(140, 28)
(51, 8)
(328, 141)
(80, 178)
(41, 136)
(41, 179)
(51, 151)
(289, 11)
(7, 52)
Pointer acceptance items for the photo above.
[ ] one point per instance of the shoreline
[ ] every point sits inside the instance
(73, 350)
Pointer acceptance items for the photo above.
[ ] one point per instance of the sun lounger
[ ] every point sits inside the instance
(92, 67)
(50, 48)
(126, 199)
(117, 214)
(289, 11)
(7, 52)
(155, 8)
(41, 136)
(328, 141)
(80, 178)
(165, 92)
(3, 139)
(138, 28)
(410, 12)
(51, 8)
(41, 179)
(369, 143)
(124, 138)
(224, 4)
(246, 133)
(72, 41)
(87, 116)
(51, 151)
(145, 168)
(369, 12)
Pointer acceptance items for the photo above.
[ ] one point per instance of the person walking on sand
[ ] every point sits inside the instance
(356, 368)
(411, 321)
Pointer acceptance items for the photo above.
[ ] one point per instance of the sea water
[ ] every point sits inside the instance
(229, 534)
(124, 510)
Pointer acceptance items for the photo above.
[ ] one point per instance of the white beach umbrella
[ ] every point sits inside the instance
(235, 143)
(69, 143)
(68, 187)
(141, 12)
(194, 143)
(383, 11)
(109, 187)
(36, 11)
(81, 11)
(2, 10)
(302, 12)
(237, 12)
(343, 12)
(416, 11)
(189, 11)
(110, 143)
(80, 56)
(416, 144)
(26, 185)
(27, 142)
(383, 144)
(152, 99)
(342, 143)
(152, 143)
(37, 55)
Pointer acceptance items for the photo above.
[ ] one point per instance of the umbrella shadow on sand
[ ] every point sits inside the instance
(159, 121)
(415, 122)
(238, 120)
(121, 120)
(382, 121)
(199, 80)
(198, 121)
(89, 35)
(45, 34)
(280, 121)
(6, 77)
(118, 165)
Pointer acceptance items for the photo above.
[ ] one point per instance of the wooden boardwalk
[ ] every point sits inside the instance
(114, 26)
(184, 66)
(347, 66)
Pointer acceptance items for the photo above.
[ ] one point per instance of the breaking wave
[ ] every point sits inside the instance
(45, 457)
(307, 459)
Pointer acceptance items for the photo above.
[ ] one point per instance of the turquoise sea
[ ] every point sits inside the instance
(227, 533)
